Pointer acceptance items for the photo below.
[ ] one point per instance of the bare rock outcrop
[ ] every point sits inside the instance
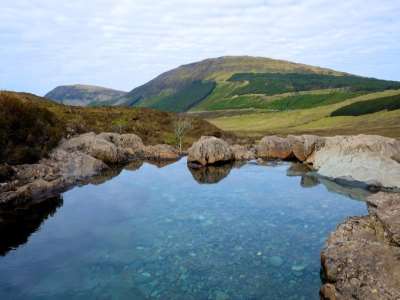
(50, 176)
(364, 158)
(76, 160)
(361, 258)
(129, 144)
(210, 150)
(94, 145)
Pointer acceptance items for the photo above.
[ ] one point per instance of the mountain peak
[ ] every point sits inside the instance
(83, 94)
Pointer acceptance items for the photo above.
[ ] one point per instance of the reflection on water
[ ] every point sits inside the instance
(16, 225)
(211, 174)
(156, 233)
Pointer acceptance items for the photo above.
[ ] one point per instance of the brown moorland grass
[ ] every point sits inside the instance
(42, 123)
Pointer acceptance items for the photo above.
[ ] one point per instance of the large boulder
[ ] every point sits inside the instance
(130, 144)
(76, 165)
(369, 159)
(303, 146)
(274, 147)
(95, 146)
(161, 152)
(209, 150)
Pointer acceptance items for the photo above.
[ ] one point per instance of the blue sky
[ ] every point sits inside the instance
(124, 43)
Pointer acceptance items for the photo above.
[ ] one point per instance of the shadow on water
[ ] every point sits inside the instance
(17, 224)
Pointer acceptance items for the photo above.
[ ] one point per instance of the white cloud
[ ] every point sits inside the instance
(122, 43)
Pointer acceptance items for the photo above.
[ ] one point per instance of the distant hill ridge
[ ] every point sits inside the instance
(83, 95)
(237, 82)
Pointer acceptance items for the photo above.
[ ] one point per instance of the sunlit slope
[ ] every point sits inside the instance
(237, 82)
(317, 120)
(187, 86)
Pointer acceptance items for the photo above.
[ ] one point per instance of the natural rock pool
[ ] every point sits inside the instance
(250, 232)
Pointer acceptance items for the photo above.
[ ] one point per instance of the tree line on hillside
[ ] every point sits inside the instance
(278, 83)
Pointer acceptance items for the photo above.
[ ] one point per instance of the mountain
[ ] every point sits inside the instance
(83, 95)
(238, 82)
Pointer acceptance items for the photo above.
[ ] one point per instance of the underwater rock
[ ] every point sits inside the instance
(210, 150)
(276, 261)
(308, 181)
(298, 169)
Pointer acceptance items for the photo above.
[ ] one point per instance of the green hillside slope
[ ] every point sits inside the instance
(249, 82)
(177, 83)
(374, 113)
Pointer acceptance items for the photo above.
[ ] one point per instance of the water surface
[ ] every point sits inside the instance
(170, 233)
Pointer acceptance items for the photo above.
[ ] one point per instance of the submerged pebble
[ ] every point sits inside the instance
(276, 261)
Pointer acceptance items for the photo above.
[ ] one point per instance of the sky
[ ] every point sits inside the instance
(124, 43)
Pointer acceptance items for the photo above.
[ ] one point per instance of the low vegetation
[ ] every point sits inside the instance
(30, 126)
(288, 101)
(186, 98)
(317, 120)
(27, 131)
(368, 107)
(278, 83)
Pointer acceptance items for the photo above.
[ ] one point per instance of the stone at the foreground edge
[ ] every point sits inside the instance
(365, 158)
(361, 259)
(209, 150)
(386, 206)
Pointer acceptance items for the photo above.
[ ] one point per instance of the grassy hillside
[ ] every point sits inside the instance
(278, 83)
(83, 95)
(368, 107)
(317, 120)
(249, 82)
(30, 125)
(184, 99)
(175, 85)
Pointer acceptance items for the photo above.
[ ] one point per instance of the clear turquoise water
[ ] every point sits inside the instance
(156, 233)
